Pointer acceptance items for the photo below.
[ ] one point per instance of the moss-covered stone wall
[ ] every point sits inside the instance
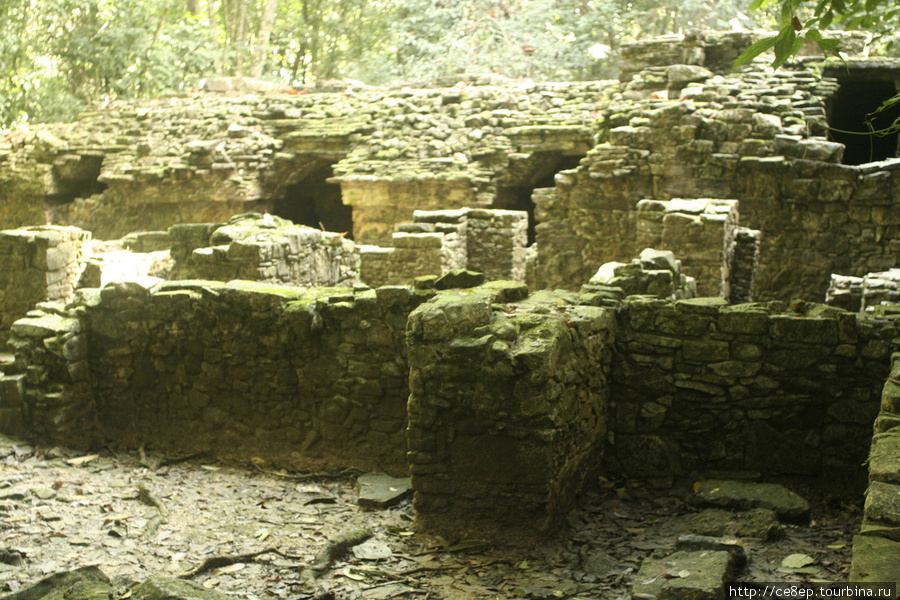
(701, 387)
(242, 369)
(507, 408)
(38, 264)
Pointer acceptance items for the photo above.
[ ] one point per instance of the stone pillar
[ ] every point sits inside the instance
(743, 267)
(39, 264)
(507, 409)
(497, 242)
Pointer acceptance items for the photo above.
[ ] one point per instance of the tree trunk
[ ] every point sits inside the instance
(267, 20)
(214, 34)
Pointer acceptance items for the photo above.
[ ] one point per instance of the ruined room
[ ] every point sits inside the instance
(629, 338)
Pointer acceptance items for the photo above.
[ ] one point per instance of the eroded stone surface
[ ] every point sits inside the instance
(743, 496)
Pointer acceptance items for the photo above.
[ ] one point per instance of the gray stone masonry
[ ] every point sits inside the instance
(241, 368)
(38, 264)
(507, 408)
(655, 273)
(702, 387)
(489, 241)
(876, 548)
(701, 232)
(505, 402)
(259, 247)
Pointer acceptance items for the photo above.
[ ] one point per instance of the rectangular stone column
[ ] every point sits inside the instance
(507, 409)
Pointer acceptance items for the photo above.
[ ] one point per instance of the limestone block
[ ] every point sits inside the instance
(875, 559)
(743, 495)
(683, 575)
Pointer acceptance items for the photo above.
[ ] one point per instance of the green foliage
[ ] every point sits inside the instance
(804, 20)
(58, 56)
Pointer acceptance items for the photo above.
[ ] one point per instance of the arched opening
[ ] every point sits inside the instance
(75, 176)
(538, 171)
(314, 201)
(853, 106)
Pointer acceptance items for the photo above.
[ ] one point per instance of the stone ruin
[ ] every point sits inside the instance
(339, 317)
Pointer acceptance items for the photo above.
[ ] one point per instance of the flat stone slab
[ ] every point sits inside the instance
(697, 575)
(875, 559)
(377, 490)
(759, 523)
(741, 495)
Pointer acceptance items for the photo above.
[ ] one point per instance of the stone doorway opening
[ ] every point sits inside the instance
(515, 188)
(852, 109)
(75, 176)
(314, 200)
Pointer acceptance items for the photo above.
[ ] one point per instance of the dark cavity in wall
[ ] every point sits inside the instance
(853, 117)
(75, 176)
(523, 177)
(315, 202)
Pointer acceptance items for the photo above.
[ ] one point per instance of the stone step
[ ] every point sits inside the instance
(742, 495)
(685, 575)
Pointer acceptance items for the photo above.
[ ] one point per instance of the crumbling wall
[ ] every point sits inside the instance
(242, 368)
(39, 263)
(489, 241)
(877, 545)
(699, 386)
(701, 232)
(263, 248)
(507, 408)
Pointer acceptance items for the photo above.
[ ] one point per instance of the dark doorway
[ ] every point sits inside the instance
(853, 106)
(538, 172)
(315, 202)
(75, 176)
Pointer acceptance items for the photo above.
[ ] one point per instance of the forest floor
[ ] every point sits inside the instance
(137, 517)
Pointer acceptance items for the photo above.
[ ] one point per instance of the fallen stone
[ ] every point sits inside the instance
(759, 523)
(875, 559)
(698, 543)
(683, 575)
(162, 588)
(377, 490)
(740, 495)
(459, 278)
(88, 580)
(599, 564)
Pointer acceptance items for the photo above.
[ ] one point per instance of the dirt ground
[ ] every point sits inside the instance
(138, 516)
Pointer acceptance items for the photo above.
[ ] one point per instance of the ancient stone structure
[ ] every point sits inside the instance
(236, 368)
(489, 241)
(508, 399)
(583, 159)
(39, 263)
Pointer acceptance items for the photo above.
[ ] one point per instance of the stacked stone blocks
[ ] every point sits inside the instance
(507, 408)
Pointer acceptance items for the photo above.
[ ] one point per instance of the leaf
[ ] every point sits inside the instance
(231, 568)
(351, 575)
(524, 565)
(797, 561)
(753, 51)
(836, 546)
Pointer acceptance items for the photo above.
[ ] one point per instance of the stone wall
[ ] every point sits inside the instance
(729, 138)
(39, 263)
(488, 241)
(701, 387)
(242, 369)
(507, 408)
(876, 548)
(700, 232)
(263, 248)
